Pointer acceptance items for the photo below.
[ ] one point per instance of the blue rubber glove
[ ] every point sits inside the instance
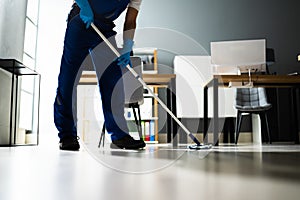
(124, 59)
(86, 13)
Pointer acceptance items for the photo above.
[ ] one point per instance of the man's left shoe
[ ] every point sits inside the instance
(69, 143)
(127, 142)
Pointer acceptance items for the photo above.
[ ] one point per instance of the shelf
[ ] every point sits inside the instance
(151, 142)
(147, 119)
(20, 103)
(15, 67)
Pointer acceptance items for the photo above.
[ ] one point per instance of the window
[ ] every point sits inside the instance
(29, 95)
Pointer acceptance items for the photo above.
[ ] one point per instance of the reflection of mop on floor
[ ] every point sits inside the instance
(198, 145)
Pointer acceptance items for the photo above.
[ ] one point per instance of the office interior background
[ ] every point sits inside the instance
(202, 20)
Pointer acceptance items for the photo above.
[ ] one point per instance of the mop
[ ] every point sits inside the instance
(198, 145)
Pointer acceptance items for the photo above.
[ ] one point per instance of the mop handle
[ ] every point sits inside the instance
(145, 85)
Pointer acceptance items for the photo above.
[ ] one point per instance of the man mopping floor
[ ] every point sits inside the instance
(114, 121)
(79, 39)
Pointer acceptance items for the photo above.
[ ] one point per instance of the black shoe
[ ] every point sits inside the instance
(127, 142)
(69, 143)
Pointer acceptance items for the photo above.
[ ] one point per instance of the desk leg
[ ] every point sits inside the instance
(297, 99)
(155, 104)
(169, 131)
(295, 115)
(205, 114)
(173, 110)
(215, 112)
(171, 123)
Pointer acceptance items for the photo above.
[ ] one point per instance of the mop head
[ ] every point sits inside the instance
(200, 147)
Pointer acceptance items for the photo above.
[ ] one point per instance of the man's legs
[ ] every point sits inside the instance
(77, 42)
(112, 94)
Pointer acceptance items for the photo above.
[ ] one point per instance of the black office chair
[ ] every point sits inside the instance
(134, 95)
(251, 101)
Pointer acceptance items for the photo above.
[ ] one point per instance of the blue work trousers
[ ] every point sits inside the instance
(79, 41)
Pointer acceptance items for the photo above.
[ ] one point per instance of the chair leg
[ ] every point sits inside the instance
(102, 136)
(140, 123)
(267, 126)
(137, 120)
(238, 126)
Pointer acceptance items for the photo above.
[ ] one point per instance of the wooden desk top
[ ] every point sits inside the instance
(90, 78)
(261, 80)
(158, 78)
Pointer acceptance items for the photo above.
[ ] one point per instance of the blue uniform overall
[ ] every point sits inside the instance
(78, 41)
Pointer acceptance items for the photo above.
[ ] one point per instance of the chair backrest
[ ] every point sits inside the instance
(251, 99)
(133, 89)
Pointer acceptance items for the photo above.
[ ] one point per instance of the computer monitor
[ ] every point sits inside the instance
(240, 56)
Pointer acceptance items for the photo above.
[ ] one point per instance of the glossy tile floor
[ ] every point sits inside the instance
(158, 172)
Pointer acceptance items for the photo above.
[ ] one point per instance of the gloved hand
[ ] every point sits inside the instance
(124, 59)
(86, 13)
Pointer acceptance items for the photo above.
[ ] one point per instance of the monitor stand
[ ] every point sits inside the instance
(248, 84)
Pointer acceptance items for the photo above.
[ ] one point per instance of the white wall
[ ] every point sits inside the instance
(12, 28)
(218, 20)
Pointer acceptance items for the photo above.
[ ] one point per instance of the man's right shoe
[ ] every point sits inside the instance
(69, 143)
(127, 142)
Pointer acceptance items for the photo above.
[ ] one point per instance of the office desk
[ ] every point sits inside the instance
(267, 81)
(150, 79)
(156, 81)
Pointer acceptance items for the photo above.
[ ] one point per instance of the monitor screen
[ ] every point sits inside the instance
(240, 56)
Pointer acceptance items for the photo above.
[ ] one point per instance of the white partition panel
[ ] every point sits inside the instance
(192, 74)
